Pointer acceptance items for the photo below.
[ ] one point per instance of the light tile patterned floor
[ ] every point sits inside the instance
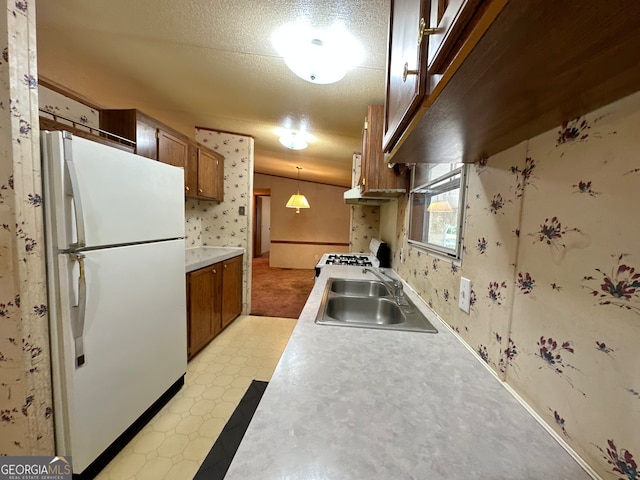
(175, 442)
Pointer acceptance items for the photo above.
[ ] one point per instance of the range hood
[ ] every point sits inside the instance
(354, 196)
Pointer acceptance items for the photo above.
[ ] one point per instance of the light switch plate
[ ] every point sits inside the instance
(464, 297)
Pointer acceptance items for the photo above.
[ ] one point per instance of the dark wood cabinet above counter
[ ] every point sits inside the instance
(204, 168)
(509, 71)
(376, 179)
(205, 173)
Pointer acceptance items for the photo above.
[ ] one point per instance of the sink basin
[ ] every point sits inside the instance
(359, 288)
(381, 311)
(368, 304)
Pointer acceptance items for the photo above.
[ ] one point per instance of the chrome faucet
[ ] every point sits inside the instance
(393, 284)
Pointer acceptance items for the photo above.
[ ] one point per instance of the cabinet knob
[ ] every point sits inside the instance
(199, 190)
(225, 265)
(214, 271)
(186, 188)
(423, 30)
(408, 72)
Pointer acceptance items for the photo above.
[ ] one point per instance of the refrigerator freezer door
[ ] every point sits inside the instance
(102, 196)
(134, 338)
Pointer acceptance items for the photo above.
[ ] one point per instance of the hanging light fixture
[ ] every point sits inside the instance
(298, 201)
(443, 207)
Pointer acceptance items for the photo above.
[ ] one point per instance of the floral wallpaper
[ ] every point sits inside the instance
(551, 247)
(26, 423)
(220, 224)
(193, 222)
(57, 106)
(356, 169)
(365, 224)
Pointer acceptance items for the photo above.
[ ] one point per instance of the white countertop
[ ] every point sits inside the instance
(351, 403)
(201, 257)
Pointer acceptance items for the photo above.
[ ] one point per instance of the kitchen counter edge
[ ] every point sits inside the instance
(200, 257)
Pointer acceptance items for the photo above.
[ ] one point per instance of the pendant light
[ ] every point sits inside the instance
(298, 201)
(443, 207)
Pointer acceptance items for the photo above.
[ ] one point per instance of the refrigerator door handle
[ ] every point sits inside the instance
(75, 194)
(78, 311)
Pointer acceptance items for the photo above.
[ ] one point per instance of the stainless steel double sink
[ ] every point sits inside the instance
(368, 304)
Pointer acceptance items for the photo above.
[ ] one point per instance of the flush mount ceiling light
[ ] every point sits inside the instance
(320, 57)
(298, 201)
(294, 140)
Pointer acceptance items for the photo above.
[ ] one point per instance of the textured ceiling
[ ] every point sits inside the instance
(212, 64)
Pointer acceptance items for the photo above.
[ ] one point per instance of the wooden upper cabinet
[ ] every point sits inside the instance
(205, 173)
(191, 172)
(424, 38)
(203, 168)
(406, 82)
(173, 150)
(501, 72)
(210, 170)
(451, 21)
(133, 125)
(376, 178)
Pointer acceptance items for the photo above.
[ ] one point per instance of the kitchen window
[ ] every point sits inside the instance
(436, 203)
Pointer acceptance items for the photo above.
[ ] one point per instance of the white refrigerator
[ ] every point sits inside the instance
(114, 226)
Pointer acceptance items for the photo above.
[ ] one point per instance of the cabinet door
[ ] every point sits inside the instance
(191, 172)
(200, 286)
(146, 143)
(371, 147)
(133, 125)
(216, 294)
(450, 18)
(208, 165)
(377, 178)
(406, 66)
(231, 290)
(173, 150)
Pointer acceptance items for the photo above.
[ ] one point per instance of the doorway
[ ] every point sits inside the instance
(262, 223)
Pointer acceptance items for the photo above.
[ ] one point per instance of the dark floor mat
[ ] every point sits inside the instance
(219, 458)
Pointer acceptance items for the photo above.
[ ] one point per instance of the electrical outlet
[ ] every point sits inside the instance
(464, 297)
(241, 210)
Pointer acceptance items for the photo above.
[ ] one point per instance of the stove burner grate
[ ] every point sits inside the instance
(354, 260)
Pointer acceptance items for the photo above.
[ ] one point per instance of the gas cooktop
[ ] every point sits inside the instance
(348, 259)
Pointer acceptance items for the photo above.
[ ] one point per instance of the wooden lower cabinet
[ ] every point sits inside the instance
(203, 307)
(214, 300)
(231, 290)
